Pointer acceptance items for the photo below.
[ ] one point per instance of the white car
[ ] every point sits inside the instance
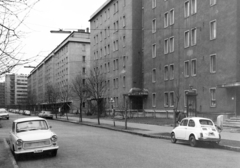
(4, 114)
(27, 112)
(196, 129)
(32, 135)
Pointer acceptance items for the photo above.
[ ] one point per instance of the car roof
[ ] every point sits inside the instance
(28, 119)
(198, 118)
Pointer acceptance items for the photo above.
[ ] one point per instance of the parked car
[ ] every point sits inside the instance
(27, 112)
(32, 135)
(195, 129)
(4, 114)
(46, 114)
(21, 111)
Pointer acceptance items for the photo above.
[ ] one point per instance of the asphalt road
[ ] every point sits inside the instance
(90, 147)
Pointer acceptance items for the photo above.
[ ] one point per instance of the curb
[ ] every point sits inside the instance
(231, 148)
(14, 163)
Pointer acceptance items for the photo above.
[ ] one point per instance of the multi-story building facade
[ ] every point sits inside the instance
(2, 94)
(56, 72)
(16, 90)
(192, 44)
(116, 49)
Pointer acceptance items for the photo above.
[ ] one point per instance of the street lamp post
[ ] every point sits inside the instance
(113, 111)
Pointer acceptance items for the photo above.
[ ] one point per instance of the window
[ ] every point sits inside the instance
(194, 68)
(124, 81)
(83, 70)
(124, 41)
(213, 97)
(124, 21)
(191, 123)
(171, 44)
(171, 74)
(171, 13)
(166, 20)
(166, 99)
(165, 46)
(184, 122)
(186, 39)
(153, 3)
(154, 26)
(124, 61)
(186, 9)
(193, 6)
(194, 36)
(154, 75)
(213, 30)
(83, 58)
(153, 50)
(186, 68)
(166, 72)
(212, 63)
(213, 2)
(171, 97)
(154, 100)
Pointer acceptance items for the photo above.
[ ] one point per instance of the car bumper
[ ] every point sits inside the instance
(36, 150)
(210, 139)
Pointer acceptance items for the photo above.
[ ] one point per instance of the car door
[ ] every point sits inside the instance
(181, 129)
(190, 129)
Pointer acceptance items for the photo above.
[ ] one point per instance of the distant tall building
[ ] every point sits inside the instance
(56, 72)
(2, 94)
(116, 49)
(15, 89)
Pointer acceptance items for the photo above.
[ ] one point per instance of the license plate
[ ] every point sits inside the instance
(38, 151)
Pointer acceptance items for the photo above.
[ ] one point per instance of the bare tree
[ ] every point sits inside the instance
(51, 96)
(12, 16)
(96, 87)
(79, 90)
(63, 95)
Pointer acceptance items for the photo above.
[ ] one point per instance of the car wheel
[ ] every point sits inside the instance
(8, 118)
(54, 152)
(173, 139)
(192, 141)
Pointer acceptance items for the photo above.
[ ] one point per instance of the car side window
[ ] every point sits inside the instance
(191, 123)
(184, 122)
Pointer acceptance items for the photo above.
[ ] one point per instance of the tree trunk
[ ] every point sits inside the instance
(98, 113)
(80, 113)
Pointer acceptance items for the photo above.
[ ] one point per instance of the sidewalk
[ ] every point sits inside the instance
(6, 159)
(230, 138)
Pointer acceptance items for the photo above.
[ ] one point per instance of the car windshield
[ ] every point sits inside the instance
(2, 111)
(205, 122)
(32, 125)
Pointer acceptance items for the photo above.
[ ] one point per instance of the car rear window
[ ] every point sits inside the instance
(205, 122)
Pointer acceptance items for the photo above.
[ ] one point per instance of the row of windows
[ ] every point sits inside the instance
(190, 68)
(107, 49)
(190, 38)
(170, 97)
(107, 13)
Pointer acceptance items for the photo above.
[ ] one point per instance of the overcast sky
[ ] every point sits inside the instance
(53, 15)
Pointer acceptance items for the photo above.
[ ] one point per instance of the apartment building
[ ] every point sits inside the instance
(192, 45)
(2, 94)
(116, 49)
(56, 72)
(16, 90)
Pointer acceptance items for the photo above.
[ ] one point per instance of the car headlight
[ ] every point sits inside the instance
(54, 138)
(19, 142)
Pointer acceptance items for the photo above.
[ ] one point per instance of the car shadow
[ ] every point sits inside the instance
(204, 145)
(35, 156)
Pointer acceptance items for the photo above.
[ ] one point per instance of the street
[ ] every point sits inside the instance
(84, 146)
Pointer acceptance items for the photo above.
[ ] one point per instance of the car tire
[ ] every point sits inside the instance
(193, 141)
(54, 152)
(173, 138)
(8, 118)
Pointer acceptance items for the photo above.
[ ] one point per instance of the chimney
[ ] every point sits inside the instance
(87, 30)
